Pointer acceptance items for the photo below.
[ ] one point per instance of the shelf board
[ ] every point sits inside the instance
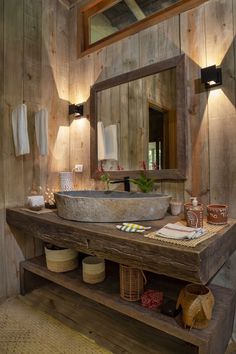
(107, 294)
(108, 328)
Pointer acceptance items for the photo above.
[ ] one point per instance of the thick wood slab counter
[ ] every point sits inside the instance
(198, 264)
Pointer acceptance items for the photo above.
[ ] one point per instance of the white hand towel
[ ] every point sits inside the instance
(20, 130)
(180, 232)
(41, 130)
(111, 147)
(101, 141)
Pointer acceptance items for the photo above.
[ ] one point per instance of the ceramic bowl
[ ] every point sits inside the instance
(217, 214)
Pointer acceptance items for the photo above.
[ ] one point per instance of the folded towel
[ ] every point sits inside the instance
(101, 141)
(20, 130)
(41, 130)
(180, 232)
(111, 146)
(137, 226)
(128, 227)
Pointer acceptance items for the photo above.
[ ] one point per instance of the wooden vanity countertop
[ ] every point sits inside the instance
(198, 264)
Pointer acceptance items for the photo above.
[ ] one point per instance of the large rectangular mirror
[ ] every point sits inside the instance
(138, 122)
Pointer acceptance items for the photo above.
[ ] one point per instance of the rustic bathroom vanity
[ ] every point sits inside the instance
(173, 267)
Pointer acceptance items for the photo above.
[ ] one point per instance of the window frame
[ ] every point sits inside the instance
(96, 6)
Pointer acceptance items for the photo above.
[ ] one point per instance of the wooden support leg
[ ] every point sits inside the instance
(22, 280)
(30, 281)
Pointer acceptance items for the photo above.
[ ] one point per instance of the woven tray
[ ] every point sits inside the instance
(211, 230)
(42, 211)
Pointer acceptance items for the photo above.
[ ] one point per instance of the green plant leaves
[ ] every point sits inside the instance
(144, 183)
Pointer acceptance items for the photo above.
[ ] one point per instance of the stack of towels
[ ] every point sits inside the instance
(180, 232)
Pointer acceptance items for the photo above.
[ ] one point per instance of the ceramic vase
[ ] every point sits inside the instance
(66, 181)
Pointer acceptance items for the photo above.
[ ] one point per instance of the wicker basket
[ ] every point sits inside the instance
(62, 260)
(197, 302)
(132, 281)
(93, 270)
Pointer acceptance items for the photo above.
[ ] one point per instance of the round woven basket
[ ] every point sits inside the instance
(61, 260)
(93, 270)
(197, 303)
(132, 281)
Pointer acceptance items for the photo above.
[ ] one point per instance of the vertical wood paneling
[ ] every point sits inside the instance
(32, 43)
(159, 42)
(55, 86)
(130, 53)
(81, 77)
(13, 167)
(135, 123)
(222, 123)
(2, 212)
(193, 44)
(35, 71)
(190, 33)
(124, 126)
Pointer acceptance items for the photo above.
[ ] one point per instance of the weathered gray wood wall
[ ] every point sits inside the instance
(34, 67)
(206, 35)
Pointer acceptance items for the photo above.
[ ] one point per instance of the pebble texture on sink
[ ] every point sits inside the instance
(100, 206)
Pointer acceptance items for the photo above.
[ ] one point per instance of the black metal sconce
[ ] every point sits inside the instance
(76, 109)
(211, 76)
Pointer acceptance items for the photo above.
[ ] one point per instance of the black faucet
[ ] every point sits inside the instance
(126, 182)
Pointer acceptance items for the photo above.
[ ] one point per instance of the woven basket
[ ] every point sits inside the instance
(197, 302)
(61, 260)
(93, 270)
(132, 281)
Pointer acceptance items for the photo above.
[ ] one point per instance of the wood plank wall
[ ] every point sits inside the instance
(34, 68)
(35, 32)
(206, 35)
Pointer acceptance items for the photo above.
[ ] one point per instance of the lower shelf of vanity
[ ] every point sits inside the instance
(212, 340)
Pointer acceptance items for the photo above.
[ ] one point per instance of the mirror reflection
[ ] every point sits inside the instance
(137, 124)
(121, 14)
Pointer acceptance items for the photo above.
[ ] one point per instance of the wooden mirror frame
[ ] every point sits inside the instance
(165, 174)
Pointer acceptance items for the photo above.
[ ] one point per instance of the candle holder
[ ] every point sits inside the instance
(49, 199)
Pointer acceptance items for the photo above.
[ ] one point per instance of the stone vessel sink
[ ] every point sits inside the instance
(111, 206)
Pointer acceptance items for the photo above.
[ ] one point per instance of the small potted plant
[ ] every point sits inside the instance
(144, 183)
(105, 177)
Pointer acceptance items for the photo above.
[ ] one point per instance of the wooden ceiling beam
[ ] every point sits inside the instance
(135, 9)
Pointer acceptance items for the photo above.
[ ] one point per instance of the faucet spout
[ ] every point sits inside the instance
(125, 181)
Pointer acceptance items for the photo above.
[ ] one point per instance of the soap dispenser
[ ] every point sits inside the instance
(194, 201)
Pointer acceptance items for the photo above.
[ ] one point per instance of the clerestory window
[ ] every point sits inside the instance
(105, 21)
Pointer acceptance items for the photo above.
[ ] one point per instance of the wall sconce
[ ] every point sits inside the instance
(76, 109)
(211, 76)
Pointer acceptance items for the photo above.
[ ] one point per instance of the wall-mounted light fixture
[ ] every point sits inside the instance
(76, 109)
(211, 76)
